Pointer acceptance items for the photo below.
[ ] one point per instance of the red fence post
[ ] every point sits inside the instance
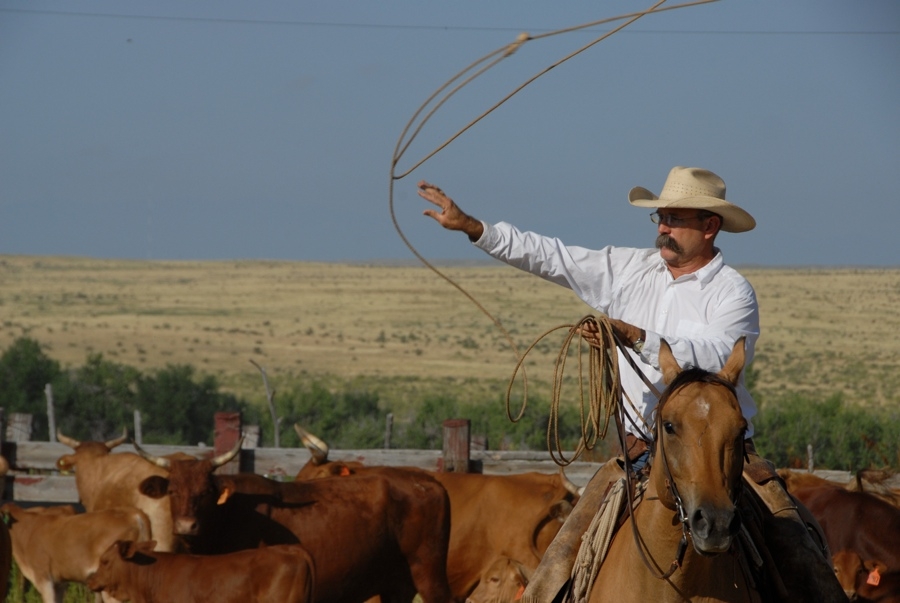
(456, 446)
(227, 434)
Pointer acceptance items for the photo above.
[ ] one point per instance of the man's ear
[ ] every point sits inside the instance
(713, 226)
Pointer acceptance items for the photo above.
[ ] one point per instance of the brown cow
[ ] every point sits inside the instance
(855, 521)
(866, 581)
(55, 545)
(134, 572)
(383, 534)
(106, 481)
(514, 516)
(503, 581)
(864, 481)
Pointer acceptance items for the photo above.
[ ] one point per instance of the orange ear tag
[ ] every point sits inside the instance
(874, 577)
(345, 471)
(520, 592)
(226, 493)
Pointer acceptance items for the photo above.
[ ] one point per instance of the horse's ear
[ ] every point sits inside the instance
(667, 363)
(731, 372)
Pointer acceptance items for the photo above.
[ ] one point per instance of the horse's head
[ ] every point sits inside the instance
(699, 448)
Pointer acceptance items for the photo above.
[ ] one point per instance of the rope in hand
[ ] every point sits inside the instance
(441, 96)
(604, 386)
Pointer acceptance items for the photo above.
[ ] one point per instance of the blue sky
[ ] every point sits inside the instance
(266, 130)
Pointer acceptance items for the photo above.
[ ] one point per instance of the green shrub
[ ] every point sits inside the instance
(843, 436)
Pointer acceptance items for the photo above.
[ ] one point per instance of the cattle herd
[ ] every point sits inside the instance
(172, 528)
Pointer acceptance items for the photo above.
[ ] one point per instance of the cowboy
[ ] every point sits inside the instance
(681, 291)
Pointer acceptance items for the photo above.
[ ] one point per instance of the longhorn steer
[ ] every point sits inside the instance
(133, 572)
(54, 545)
(105, 480)
(383, 534)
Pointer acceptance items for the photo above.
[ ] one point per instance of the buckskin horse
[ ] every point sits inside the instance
(691, 495)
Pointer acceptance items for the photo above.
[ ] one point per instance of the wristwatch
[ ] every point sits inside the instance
(638, 345)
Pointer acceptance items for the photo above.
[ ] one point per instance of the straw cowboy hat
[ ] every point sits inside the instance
(695, 188)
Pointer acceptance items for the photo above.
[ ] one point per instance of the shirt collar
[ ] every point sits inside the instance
(703, 276)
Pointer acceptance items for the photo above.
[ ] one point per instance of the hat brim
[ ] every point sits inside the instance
(734, 219)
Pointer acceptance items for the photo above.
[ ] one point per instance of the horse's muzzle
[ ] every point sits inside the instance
(713, 529)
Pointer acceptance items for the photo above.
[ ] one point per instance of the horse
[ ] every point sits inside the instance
(691, 494)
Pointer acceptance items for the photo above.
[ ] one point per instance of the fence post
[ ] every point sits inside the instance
(456, 446)
(51, 413)
(18, 429)
(138, 430)
(388, 429)
(809, 458)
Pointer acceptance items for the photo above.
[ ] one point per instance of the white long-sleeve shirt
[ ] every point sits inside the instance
(701, 315)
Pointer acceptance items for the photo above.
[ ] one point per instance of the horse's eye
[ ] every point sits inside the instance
(670, 429)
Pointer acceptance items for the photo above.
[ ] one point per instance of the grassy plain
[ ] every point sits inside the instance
(403, 331)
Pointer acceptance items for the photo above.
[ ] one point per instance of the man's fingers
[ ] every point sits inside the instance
(427, 186)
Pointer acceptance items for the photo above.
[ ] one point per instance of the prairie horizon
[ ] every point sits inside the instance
(401, 329)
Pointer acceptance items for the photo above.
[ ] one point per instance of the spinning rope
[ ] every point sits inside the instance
(603, 377)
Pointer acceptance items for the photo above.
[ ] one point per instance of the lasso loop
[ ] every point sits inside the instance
(591, 428)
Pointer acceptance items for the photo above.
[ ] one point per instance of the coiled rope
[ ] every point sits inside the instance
(604, 385)
(603, 371)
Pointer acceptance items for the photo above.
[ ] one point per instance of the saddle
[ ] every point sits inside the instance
(571, 564)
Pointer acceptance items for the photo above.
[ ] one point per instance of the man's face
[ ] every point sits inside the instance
(683, 235)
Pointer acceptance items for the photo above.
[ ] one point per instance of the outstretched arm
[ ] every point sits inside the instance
(450, 215)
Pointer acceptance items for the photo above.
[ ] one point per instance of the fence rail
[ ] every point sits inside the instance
(34, 477)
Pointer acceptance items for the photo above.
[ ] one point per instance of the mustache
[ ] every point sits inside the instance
(665, 241)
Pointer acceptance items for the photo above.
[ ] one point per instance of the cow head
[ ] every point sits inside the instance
(110, 572)
(503, 581)
(848, 567)
(190, 486)
(85, 449)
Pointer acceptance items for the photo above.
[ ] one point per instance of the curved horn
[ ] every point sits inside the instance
(159, 461)
(70, 442)
(570, 486)
(227, 456)
(317, 448)
(115, 442)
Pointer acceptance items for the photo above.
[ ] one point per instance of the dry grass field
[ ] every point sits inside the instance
(403, 331)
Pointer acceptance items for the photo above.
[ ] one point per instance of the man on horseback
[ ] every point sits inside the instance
(681, 292)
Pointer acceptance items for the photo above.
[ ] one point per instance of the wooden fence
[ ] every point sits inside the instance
(34, 477)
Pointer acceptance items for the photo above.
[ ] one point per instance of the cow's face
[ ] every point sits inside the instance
(111, 567)
(503, 581)
(191, 491)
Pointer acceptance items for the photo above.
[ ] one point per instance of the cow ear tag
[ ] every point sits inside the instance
(520, 592)
(226, 494)
(345, 471)
(874, 577)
